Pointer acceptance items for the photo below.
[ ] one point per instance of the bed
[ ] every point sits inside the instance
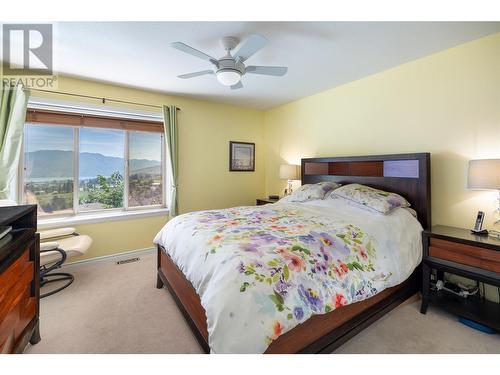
(259, 280)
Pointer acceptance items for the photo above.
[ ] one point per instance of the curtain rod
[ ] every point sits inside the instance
(102, 99)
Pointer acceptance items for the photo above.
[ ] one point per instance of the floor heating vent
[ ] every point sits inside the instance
(130, 260)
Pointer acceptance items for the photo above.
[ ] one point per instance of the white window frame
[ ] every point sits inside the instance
(108, 214)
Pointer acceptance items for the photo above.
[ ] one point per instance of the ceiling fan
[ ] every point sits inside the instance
(230, 68)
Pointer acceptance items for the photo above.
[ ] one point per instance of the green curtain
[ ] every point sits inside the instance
(13, 103)
(172, 143)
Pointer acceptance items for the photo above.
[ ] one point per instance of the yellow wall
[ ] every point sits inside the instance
(447, 103)
(120, 236)
(205, 129)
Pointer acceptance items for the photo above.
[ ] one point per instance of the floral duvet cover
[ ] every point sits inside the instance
(261, 271)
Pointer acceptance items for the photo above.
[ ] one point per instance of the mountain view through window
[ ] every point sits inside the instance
(100, 175)
(145, 178)
(48, 165)
(101, 168)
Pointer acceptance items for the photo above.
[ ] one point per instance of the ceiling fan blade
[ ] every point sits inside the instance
(250, 46)
(196, 74)
(192, 51)
(239, 85)
(267, 70)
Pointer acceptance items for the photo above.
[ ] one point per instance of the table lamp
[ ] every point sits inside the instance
(484, 174)
(290, 173)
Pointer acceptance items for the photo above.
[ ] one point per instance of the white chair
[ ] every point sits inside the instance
(56, 246)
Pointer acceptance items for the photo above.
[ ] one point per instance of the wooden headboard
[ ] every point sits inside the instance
(404, 174)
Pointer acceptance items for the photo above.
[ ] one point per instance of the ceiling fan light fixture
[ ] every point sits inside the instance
(228, 77)
(231, 67)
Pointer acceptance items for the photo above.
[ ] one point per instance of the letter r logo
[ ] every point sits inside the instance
(27, 49)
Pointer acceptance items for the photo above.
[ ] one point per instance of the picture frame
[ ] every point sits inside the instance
(241, 156)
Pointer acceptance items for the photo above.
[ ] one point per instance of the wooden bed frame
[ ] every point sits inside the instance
(405, 174)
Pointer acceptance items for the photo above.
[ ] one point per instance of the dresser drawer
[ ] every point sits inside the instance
(17, 305)
(9, 277)
(465, 254)
(7, 344)
(19, 279)
(27, 310)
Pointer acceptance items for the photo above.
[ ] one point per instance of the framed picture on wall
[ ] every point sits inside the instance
(241, 156)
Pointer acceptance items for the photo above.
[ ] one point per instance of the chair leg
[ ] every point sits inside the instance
(47, 276)
(60, 276)
(46, 269)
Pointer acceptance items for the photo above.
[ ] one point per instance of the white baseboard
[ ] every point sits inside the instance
(114, 257)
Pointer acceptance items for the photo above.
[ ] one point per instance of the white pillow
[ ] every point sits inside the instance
(375, 199)
(310, 192)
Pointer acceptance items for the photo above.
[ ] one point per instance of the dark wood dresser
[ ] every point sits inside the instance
(19, 279)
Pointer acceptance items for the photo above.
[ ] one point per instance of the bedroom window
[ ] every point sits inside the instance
(101, 169)
(83, 164)
(145, 185)
(48, 165)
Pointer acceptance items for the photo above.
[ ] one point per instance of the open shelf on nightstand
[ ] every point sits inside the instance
(478, 310)
(457, 251)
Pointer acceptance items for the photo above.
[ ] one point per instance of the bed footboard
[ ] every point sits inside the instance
(184, 295)
(319, 334)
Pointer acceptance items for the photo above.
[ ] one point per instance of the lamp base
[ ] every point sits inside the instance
(482, 232)
(288, 190)
(498, 208)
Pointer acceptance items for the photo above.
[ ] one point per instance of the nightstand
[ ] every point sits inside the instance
(262, 201)
(458, 251)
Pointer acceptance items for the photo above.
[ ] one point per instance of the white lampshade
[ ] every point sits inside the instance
(484, 174)
(290, 172)
(228, 77)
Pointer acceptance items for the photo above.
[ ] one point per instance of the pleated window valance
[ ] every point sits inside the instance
(43, 116)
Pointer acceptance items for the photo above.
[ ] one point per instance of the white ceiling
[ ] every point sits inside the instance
(319, 55)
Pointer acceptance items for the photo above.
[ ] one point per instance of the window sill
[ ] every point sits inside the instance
(99, 217)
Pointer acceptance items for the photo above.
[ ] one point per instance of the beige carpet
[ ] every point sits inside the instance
(117, 309)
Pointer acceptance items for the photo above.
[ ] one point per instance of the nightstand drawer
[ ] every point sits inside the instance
(465, 254)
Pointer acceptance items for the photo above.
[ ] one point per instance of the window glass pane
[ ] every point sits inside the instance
(101, 169)
(48, 165)
(145, 172)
